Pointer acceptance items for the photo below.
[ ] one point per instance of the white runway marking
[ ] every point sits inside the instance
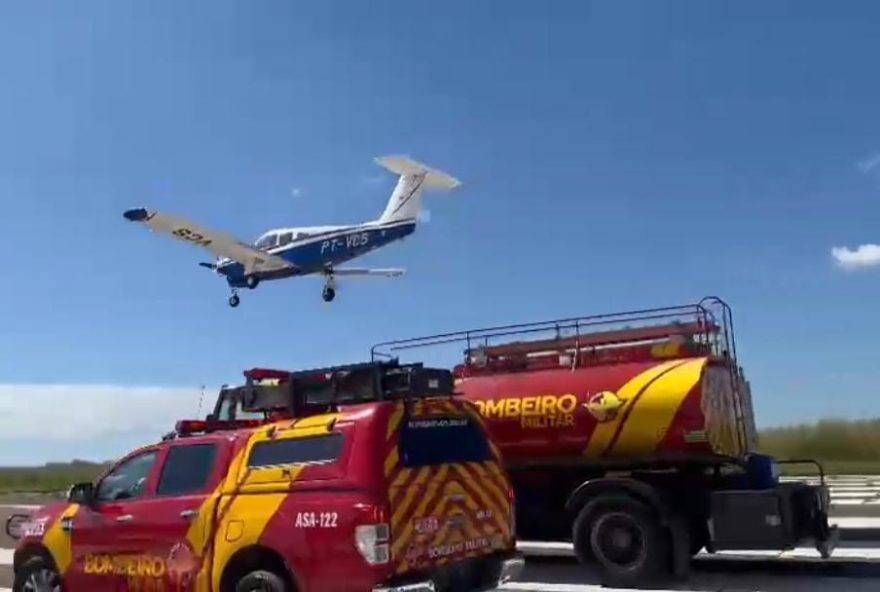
(543, 587)
(848, 554)
(855, 522)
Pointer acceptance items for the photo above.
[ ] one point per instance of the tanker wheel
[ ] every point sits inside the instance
(624, 539)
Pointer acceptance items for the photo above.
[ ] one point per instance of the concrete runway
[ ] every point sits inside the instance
(855, 567)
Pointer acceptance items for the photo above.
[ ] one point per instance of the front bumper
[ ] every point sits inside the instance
(510, 569)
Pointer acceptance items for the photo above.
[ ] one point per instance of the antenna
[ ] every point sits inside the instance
(201, 398)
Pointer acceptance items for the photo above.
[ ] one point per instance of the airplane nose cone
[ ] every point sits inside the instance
(136, 214)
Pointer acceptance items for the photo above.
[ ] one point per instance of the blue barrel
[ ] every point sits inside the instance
(762, 471)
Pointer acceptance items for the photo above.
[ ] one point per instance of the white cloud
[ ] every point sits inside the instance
(869, 163)
(71, 413)
(863, 256)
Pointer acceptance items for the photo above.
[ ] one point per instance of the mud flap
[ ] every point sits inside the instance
(680, 548)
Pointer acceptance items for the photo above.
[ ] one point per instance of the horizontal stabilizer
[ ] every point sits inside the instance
(406, 166)
(352, 272)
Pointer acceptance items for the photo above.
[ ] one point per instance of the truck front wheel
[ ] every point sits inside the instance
(37, 575)
(261, 581)
(624, 538)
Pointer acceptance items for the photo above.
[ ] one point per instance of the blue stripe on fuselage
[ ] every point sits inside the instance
(315, 253)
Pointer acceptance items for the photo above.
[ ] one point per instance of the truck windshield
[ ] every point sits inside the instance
(437, 440)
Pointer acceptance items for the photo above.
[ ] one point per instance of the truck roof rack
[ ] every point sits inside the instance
(704, 328)
(275, 393)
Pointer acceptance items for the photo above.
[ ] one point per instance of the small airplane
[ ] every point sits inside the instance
(292, 252)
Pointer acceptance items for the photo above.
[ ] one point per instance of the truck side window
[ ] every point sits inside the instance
(127, 481)
(294, 451)
(187, 469)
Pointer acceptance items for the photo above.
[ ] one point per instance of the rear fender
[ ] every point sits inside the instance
(591, 489)
(29, 551)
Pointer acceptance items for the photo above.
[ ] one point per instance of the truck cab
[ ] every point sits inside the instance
(360, 478)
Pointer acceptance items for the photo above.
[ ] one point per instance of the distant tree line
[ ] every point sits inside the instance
(843, 446)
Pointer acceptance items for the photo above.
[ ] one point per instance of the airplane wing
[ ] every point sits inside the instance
(218, 243)
(354, 272)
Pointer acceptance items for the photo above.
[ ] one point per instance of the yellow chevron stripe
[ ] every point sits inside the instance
(411, 491)
(394, 420)
(401, 476)
(500, 513)
(652, 415)
(427, 494)
(440, 535)
(391, 461)
(487, 481)
(604, 432)
(58, 541)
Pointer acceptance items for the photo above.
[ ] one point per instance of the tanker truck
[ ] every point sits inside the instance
(631, 436)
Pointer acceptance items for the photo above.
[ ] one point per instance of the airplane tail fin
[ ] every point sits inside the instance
(415, 177)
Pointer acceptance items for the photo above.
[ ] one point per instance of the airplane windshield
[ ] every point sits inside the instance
(266, 242)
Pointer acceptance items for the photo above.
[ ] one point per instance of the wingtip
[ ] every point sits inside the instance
(136, 214)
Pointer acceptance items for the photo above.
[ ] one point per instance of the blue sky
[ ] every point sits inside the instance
(614, 155)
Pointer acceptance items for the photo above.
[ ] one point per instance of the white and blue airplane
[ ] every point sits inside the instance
(291, 252)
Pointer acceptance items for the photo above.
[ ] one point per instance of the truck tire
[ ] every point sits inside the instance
(37, 575)
(261, 581)
(624, 539)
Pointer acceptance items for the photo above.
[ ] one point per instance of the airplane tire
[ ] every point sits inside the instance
(234, 300)
(328, 294)
(252, 281)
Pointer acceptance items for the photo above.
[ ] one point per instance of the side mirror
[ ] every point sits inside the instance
(81, 493)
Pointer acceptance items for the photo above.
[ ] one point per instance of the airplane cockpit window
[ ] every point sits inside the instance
(285, 239)
(267, 242)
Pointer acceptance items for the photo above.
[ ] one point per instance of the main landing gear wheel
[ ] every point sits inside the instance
(234, 300)
(328, 294)
(252, 281)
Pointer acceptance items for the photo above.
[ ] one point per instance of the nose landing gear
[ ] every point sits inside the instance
(234, 300)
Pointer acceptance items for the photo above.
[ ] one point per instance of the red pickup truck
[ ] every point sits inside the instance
(379, 489)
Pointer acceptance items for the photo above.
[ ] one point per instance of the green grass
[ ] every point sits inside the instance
(48, 478)
(842, 446)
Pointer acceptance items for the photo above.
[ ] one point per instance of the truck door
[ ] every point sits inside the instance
(104, 534)
(179, 519)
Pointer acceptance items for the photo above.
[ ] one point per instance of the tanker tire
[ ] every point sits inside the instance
(261, 581)
(638, 533)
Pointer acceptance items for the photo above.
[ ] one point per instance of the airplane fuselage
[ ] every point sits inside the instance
(320, 252)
